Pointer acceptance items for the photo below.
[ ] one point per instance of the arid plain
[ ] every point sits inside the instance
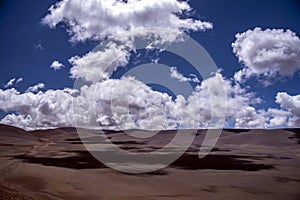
(245, 164)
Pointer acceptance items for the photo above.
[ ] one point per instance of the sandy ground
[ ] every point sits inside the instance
(54, 164)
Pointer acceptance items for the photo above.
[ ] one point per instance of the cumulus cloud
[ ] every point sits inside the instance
(267, 53)
(128, 103)
(99, 65)
(36, 87)
(249, 117)
(157, 22)
(240, 104)
(277, 117)
(177, 75)
(114, 103)
(56, 65)
(290, 104)
(12, 82)
(288, 115)
(114, 16)
(42, 110)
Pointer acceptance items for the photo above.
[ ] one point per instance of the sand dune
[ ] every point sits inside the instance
(245, 164)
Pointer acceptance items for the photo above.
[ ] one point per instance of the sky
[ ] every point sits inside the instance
(254, 44)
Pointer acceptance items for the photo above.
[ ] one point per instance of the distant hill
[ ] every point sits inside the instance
(249, 136)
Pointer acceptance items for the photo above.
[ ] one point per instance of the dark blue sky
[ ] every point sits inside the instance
(234, 16)
(22, 33)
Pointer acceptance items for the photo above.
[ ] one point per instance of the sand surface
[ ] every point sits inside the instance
(245, 164)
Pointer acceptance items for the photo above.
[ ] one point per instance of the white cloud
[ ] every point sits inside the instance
(19, 80)
(249, 117)
(12, 82)
(39, 46)
(290, 104)
(240, 102)
(42, 110)
(134, 105)
(99, 65)
(119, 103)
(277, 117)
(97, 19)
(242, 75)
(177, 75)
(157, 22)
(267, 53)
(124, 103)
(128, 103)
(287, 116)
(36, 87)
(56, 65)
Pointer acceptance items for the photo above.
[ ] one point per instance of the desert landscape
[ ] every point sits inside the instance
(245, 164)
(150, 100)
